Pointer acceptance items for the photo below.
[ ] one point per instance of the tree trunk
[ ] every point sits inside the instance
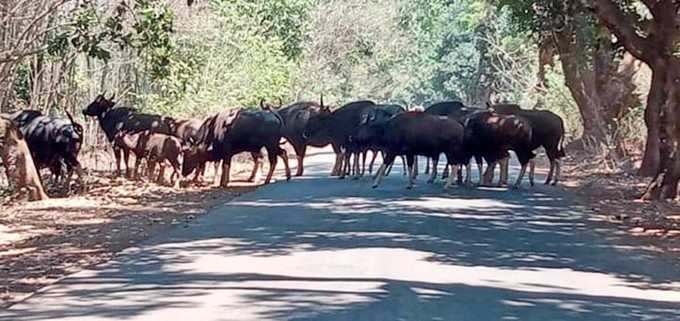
(651, 162)
(581, 84)
(665, 97)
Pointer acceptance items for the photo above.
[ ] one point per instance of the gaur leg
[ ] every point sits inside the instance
(445, 173)
(553, 153)
(138, 161)
(505, 171)
(532, 171)
(126, 159)
(346, 163)
(454, 173)
(387, 161)
(226, 167)
(558, 170)
(300, 152)
(370, 166)
(480, 167)
(200, 172)
(403, 164)
(116, 154)
(272, 166)
(521, 175)
(161, 173)
(338, 161)
(389, 168)
(360, 164)
(415, 167)
(217, 181)
(551, 172)
(74, 167)
(435, 163)
(364, 155)
(489, 173)
(411, 163)
(284, 156)
(468, 174)
(257, 163)
(427, 166)
(176, 176)
(151, 169)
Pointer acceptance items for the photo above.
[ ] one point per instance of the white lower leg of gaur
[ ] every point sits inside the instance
(532, 170)
(505, 171)
(415, 167)
(480, 168)
(550, 173)
(411, 176)
(452, 176)
(468, 174)
(558, 170)
(522, 171)
(379, 175)
(433, 175)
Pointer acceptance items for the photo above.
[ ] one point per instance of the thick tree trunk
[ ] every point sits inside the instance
(665, 97)
(581, 84)
(651, 162)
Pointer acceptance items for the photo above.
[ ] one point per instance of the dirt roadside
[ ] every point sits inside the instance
(614, 196)
(44, 241)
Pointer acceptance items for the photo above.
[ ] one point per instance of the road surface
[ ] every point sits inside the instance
(318, 248)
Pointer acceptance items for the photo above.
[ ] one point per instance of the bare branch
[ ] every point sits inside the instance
(623, 26)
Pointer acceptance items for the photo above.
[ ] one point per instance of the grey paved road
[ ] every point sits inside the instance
(322, 249)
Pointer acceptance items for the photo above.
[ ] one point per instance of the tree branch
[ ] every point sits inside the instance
(623, 26)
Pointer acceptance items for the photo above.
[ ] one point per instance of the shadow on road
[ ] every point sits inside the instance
(476, 231)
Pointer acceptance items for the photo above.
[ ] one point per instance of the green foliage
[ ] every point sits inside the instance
(145, 27)
(280, 20)
(22, 86)
(228, 61)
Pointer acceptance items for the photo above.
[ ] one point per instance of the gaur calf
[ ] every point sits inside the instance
(157, 149)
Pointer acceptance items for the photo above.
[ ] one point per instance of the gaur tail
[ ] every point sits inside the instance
(560, 152)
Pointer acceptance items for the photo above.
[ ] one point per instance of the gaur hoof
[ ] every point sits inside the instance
(375, 186)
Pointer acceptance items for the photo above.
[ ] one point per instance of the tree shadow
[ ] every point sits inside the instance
(499, 244)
